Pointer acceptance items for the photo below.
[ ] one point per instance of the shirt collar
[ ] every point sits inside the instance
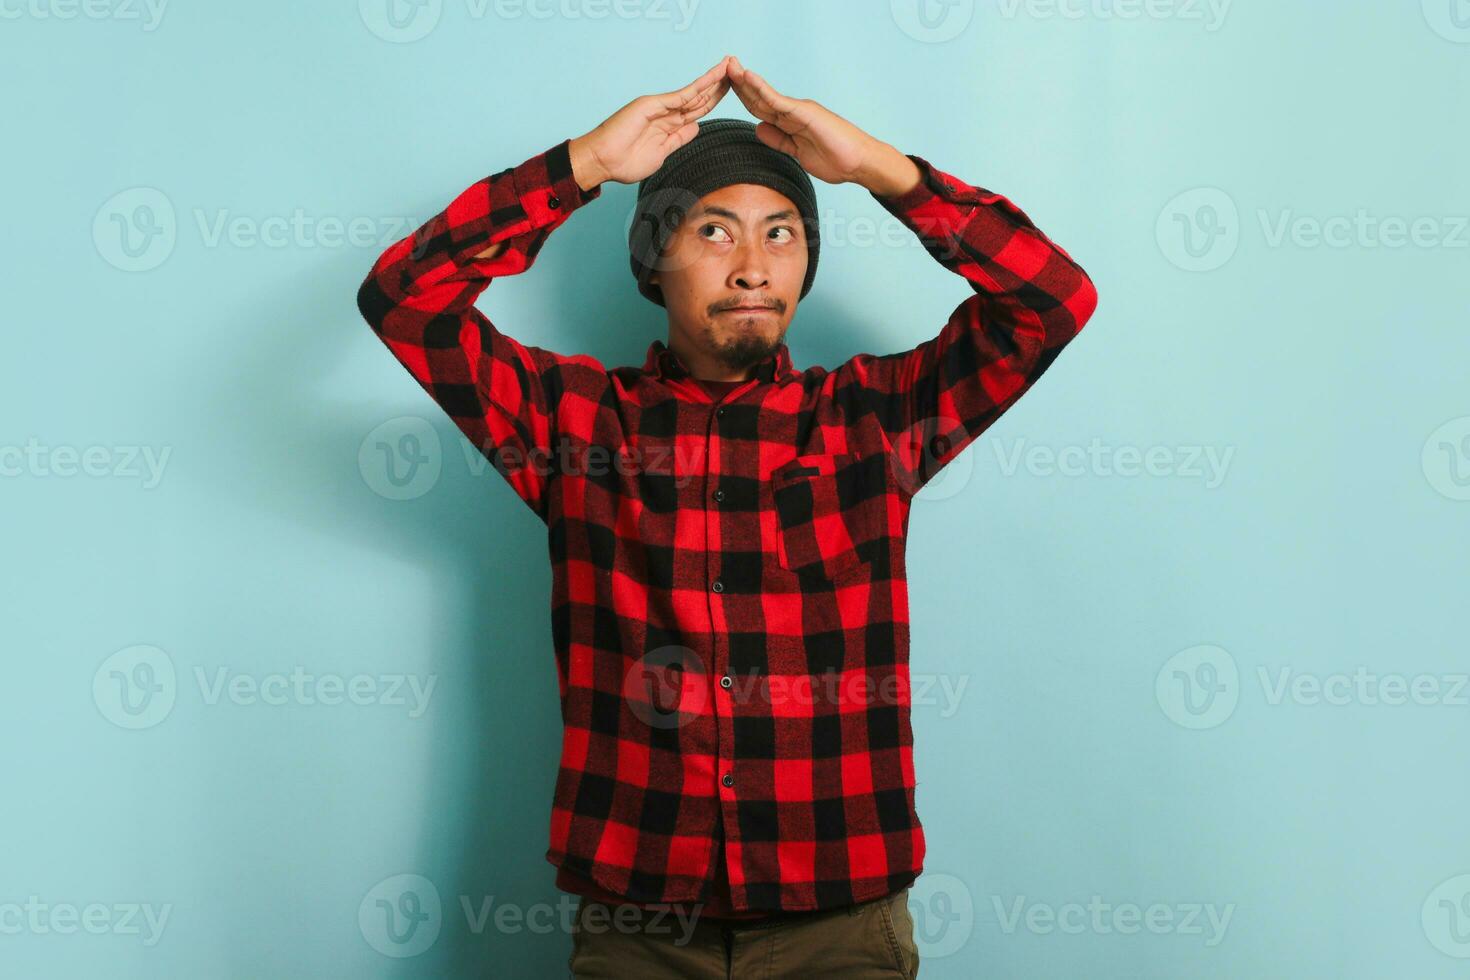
(663, 363)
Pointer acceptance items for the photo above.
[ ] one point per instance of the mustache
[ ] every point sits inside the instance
(775, 303)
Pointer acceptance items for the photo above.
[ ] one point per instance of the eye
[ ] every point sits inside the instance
(715, 228)
(790, 234)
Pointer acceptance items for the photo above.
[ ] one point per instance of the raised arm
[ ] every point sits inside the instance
(419, 299)
(419, 296)
(1030, 297)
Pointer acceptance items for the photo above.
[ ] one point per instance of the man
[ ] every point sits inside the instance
(729, 607)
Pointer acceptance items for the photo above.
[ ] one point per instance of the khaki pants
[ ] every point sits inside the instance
(869, 940)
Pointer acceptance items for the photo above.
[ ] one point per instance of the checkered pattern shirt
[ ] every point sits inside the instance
(729, 608)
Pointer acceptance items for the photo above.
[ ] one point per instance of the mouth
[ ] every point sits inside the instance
(750, 309)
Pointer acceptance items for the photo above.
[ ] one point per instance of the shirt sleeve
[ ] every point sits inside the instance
(1030, 299)
(419, 299)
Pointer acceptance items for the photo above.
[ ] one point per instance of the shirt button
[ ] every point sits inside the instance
(553, 201)
(718, 586)
(725, 681)
(719, 495)
(729, 779)
(720, 410)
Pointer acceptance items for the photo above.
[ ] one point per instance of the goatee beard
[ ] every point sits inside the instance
(746, 350)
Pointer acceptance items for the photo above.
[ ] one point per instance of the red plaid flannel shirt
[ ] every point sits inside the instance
(729, 606)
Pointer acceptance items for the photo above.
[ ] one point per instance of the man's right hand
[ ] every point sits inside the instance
(633, 142)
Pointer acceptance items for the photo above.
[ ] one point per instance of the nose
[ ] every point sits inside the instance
(749, 271)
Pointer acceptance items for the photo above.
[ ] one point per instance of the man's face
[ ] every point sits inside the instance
(740, 246)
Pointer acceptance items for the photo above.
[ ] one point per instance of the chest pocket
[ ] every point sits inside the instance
(831, 512)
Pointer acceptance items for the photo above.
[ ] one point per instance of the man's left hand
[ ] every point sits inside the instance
(827, 146)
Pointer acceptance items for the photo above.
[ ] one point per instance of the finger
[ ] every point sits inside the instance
(691, 111)
(758, 95)
(700, 102)
(720, 70)
(763, 91)
(759, 107)
(680, 97)
(719, 93)
(706, 101)
(774, 137)
(683, 135)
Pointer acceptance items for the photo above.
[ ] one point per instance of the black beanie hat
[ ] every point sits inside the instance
(725, 152)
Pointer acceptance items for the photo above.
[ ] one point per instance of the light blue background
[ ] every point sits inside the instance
(1081, 758)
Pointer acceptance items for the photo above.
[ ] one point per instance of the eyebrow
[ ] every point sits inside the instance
(726, 213)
